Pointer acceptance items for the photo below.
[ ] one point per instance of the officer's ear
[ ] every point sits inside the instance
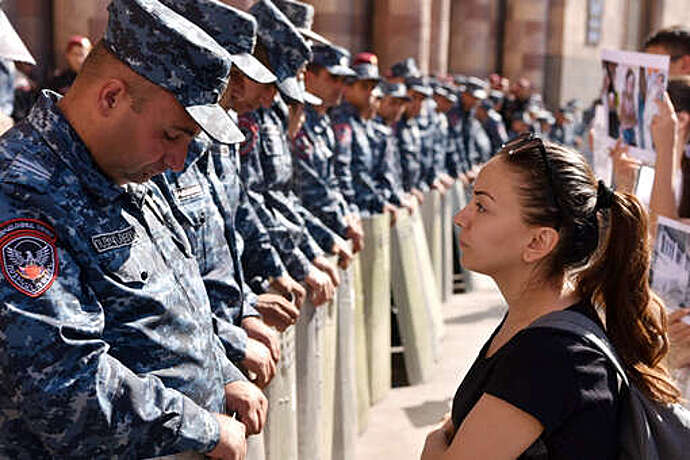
(112, 96)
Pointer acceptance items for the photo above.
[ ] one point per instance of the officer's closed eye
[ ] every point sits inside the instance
(171, 137)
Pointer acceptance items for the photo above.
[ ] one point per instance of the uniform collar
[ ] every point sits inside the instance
(51, 124)
(351, 110)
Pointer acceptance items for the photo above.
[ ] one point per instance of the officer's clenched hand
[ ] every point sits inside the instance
(321, 289)
(249, 403)
(289, 288)
(258, 360)
(329, 268)
(258, 330)
(355, 234)
(277, 311)
(233, 443)
(392, 210)
(344, 255)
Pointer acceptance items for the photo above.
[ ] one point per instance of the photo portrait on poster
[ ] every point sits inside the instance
(670, 272)
(631, 83)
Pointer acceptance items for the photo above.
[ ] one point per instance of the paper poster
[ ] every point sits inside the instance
(670, 273)
(631, 83)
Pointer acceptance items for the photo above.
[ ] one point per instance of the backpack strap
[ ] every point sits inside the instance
(582, 326)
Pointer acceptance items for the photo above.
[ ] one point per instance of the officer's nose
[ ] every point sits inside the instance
(175, 157)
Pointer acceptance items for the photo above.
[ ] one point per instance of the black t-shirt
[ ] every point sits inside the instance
(558, 378)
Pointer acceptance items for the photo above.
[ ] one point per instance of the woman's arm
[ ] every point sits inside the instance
(494, 429)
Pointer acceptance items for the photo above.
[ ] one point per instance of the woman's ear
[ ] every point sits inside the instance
(542, 243)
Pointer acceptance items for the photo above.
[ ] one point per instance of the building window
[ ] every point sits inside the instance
(595, 17)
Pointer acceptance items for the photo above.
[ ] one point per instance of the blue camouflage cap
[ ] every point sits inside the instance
(287, 50)
(334, 58)
(396, 90)
(233, 29)
(446, 92)
(420, 85)
(301, 15)
(406, 68)
(173, 53)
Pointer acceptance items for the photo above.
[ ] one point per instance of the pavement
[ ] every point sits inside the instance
(398, 425)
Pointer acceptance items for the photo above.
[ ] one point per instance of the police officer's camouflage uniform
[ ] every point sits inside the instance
(315, 181)
(353, 143)
(117, 356)
(387, 168)
(190, 194)
(106, 332)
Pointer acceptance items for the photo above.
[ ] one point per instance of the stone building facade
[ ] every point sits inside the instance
(554, 43)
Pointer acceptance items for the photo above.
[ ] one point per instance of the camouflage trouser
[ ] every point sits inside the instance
(181, 456)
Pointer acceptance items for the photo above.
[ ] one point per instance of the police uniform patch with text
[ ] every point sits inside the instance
(28, 256)
(114, 240)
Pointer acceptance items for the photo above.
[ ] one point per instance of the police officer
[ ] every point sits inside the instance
(446, 153)
(313, 150)
(492, 122)
(199, 200)
(107, 340)
(390, 110)
(353, 135)
(266, 160)
(408, 132)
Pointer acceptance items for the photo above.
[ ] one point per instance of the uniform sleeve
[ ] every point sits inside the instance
(408, 160)
(343, 161)
(537, 375)
(252, 175)
(55, 359)
(259, 251)
(367, 196)
(315, 192)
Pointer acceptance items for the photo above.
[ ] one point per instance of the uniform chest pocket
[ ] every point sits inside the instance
(129, 265)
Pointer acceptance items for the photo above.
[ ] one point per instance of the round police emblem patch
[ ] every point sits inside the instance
(28, 256)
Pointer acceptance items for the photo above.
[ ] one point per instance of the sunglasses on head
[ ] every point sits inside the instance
(530, 141)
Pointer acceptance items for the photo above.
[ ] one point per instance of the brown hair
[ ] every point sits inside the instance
(605, 251)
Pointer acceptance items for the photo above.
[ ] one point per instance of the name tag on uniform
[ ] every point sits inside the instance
(186, 193)
(114, 240)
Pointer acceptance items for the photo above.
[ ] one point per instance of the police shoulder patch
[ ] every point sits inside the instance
(28, 256)
(250, 129)
(343, 133)
(301, 145)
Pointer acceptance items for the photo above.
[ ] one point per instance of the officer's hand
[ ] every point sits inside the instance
(392, 210)
(233, 442)
(321, 289)
(464, 179)
(327, 267)
(277, 311)
(419, 195)
(257, 330)
(355, 235)
(289, 288)
(249, 403)
(447, 180)
(344, 255)
(408, 202)
(258, 361)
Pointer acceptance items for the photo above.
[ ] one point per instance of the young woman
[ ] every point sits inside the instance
(628, 114)
(553, 238)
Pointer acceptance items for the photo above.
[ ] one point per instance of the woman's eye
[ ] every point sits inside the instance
(480, 208)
